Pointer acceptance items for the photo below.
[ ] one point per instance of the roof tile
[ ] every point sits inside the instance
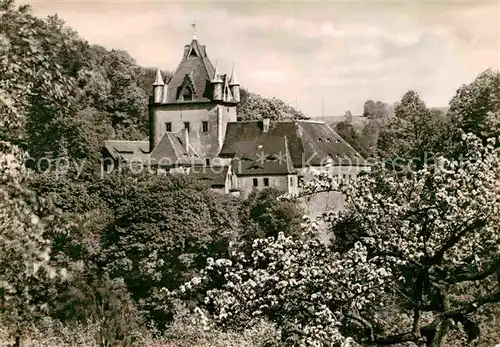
(127, 150)
(308, 142)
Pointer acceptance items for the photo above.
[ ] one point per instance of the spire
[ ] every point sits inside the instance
(158, 79)
(216, 78)
(194, 31)
(233, 81)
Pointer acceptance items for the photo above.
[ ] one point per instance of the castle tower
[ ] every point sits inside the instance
(197, 101)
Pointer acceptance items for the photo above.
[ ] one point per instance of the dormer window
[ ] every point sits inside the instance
(187, 95)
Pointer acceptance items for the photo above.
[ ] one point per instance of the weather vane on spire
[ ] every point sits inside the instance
(194, 30)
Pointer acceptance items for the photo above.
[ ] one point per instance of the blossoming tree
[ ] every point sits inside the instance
(438, 230)
(407, 247)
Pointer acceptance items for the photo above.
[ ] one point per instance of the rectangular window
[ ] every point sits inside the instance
(168, 127)
(186, 126)
(291, 181)
(255, 182)
(207, 162)
(266, 182)
(205, 127)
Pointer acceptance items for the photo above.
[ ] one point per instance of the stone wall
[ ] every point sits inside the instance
(206, 144)
(281, 182)
(318, 203)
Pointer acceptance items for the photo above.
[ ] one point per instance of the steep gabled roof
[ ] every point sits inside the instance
(195, 63)
(213, 176)
(127, 150)
(309, 142)
(264, 154)
(238, 133)
(170, 151)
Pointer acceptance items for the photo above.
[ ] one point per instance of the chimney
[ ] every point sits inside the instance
(185, 139)
(265, 125)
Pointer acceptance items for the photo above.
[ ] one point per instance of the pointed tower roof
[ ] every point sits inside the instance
(233, 81)
(196, 64)
(216, 78)
(227, 95)
(158, 79)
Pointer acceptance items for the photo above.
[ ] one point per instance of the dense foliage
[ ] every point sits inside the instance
(76, 94)
(476, 107)
(364, 137)
(164, 229)
(263, 215)
(255, 107)
(415, 133)
(359, 140)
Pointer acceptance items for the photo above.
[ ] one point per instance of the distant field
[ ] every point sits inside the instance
(358, 121)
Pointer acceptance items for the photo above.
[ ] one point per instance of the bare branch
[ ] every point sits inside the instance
(480, 275)
(436, 259)
(472, 306)
(364, 322)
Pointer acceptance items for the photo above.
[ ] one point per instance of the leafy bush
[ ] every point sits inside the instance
(190, 329)
(164, 229)
(263, 215)
(51, 333)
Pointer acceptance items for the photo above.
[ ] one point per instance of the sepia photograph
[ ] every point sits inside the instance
(249, 173)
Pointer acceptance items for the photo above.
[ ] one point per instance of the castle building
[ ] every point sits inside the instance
(193, 129)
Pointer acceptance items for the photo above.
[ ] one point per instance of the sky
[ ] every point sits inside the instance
(323, 57)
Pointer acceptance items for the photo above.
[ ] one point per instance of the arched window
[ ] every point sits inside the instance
(187, 95)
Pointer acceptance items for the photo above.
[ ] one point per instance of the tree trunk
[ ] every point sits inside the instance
(441, 331)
